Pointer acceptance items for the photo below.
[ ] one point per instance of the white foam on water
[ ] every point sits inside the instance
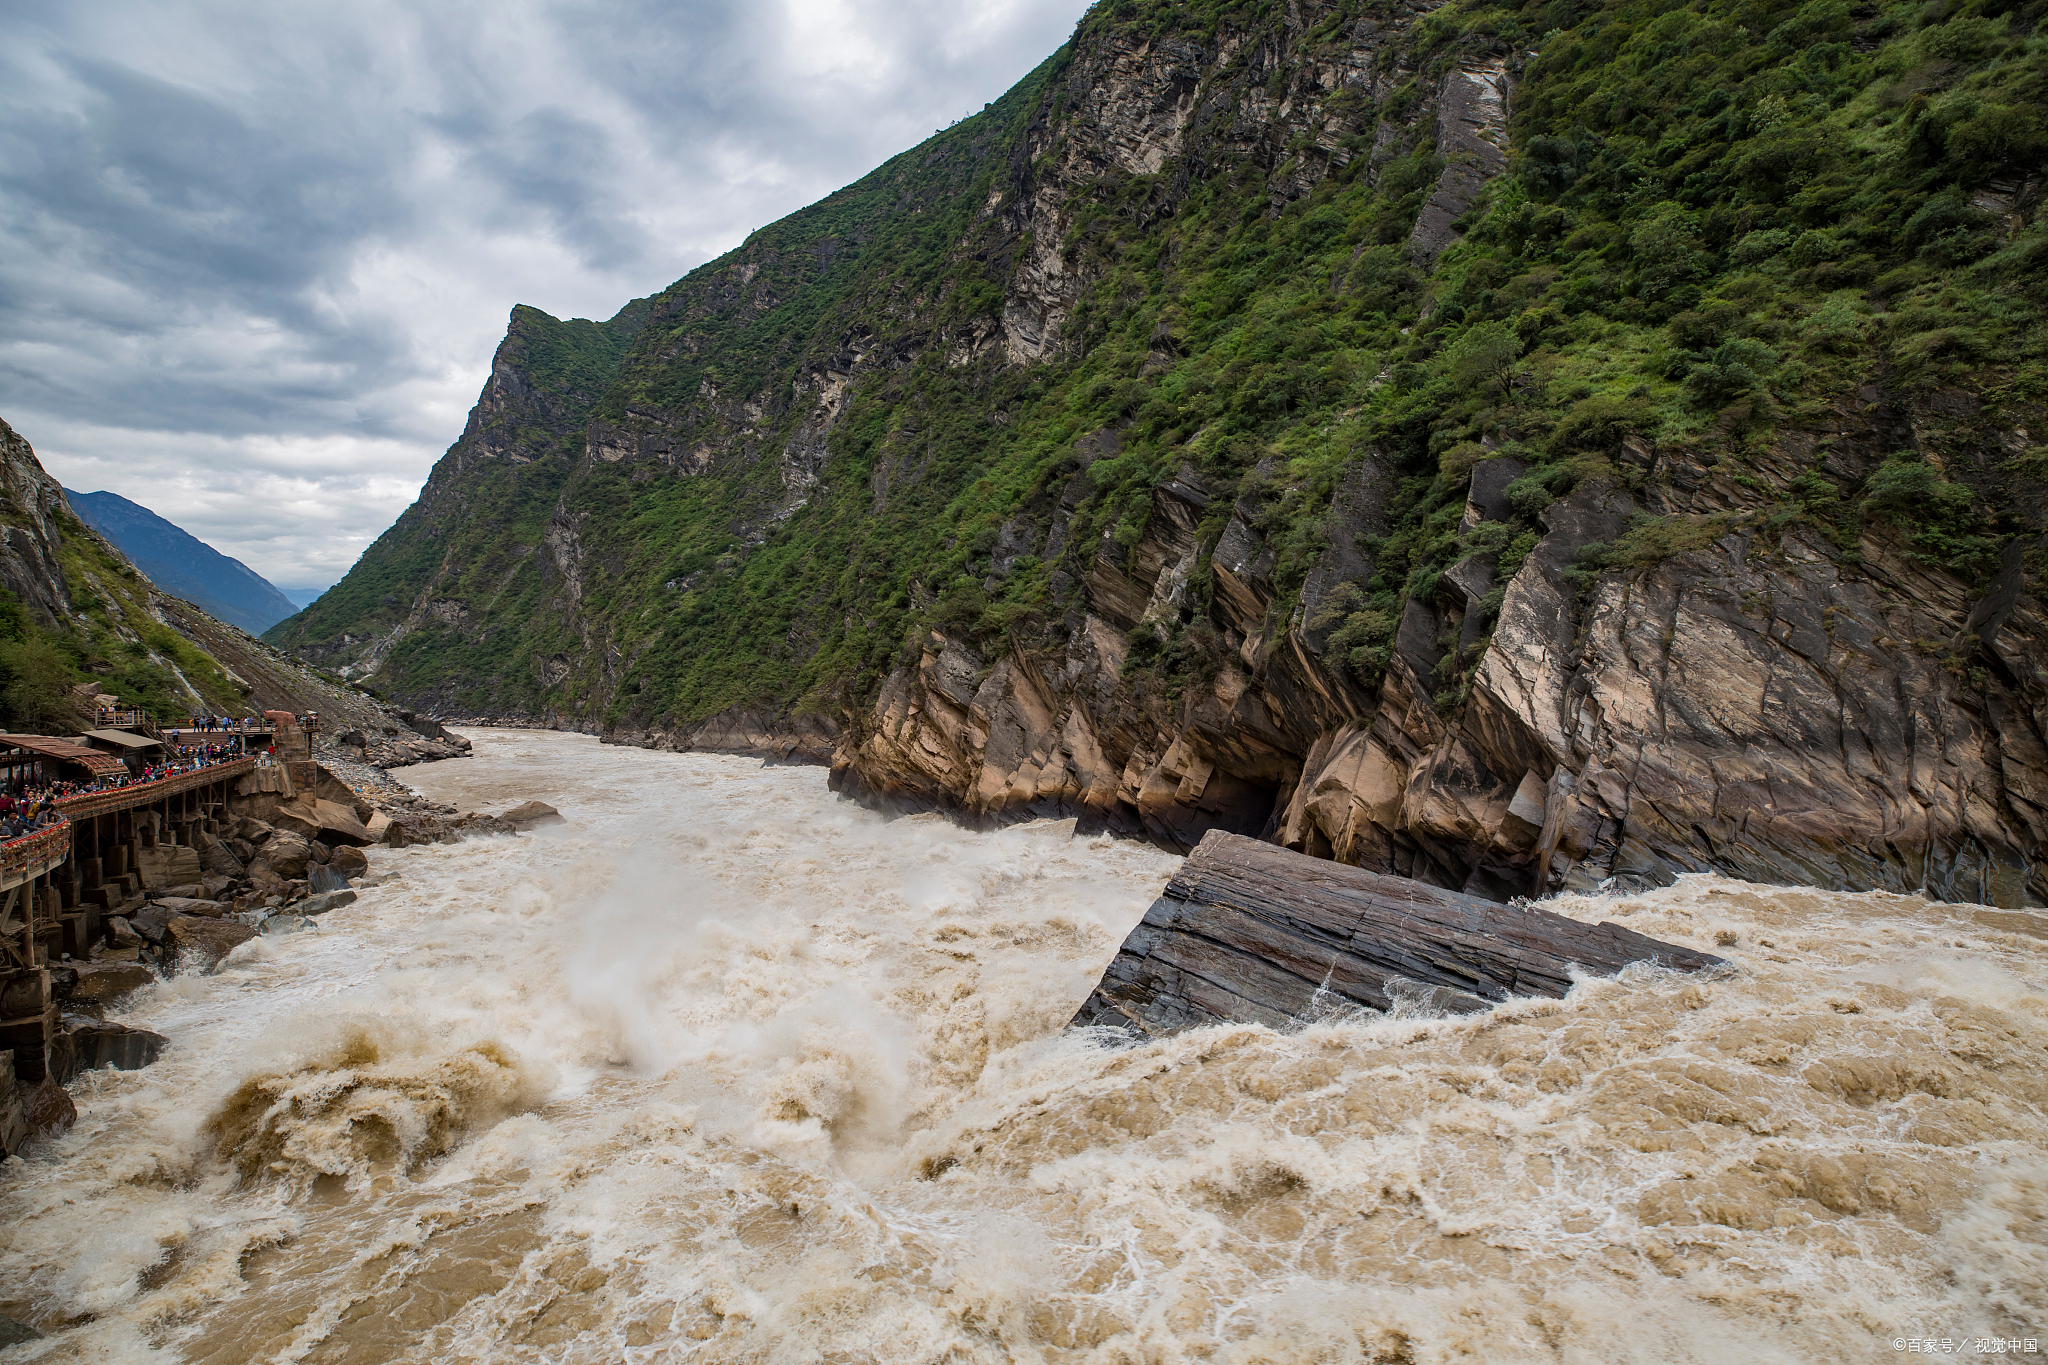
(727, 1070)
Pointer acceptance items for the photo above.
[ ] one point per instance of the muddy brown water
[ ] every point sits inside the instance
(726, 1070)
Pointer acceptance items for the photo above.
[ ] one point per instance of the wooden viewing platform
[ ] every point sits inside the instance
(34, 855)
(57, 882)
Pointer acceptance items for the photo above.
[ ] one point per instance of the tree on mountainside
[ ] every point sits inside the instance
(35, 688)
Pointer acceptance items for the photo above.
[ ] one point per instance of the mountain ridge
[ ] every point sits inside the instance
(182, 564)
(1506, 452)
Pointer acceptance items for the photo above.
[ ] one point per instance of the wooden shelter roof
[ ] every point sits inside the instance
(126, 739)
(65, 751)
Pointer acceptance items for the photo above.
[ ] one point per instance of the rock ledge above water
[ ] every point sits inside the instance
(1249, 932)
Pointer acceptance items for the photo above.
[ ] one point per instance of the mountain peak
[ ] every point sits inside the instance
(182, 564)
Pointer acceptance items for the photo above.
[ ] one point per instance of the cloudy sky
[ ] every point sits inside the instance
(254, 257)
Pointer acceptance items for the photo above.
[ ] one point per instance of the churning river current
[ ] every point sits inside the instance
(726, 1069)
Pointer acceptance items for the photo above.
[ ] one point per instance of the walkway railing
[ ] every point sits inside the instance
(30, 856)
(225, 725)
(142, 793)
(133, 719)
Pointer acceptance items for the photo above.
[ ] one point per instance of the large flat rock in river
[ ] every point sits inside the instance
(1249, 932)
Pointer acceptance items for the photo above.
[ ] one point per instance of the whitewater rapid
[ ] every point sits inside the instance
(727, 1070)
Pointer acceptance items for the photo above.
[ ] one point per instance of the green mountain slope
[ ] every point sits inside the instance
(78, 620)
(465, 548)
(1255, 351)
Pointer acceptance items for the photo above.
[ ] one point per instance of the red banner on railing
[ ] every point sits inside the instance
(34, 853)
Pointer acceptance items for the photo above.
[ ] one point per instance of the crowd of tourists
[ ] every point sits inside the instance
(221, 725)
(27, 813)
(25, 807)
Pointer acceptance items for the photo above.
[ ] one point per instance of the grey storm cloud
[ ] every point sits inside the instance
(254, 257)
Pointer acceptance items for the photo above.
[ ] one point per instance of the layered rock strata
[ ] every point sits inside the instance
(1249, 933)
(1767, 706)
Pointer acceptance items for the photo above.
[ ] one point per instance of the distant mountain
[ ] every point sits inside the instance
(183, 565)
(302, 596)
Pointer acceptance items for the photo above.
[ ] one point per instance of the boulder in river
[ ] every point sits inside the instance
(423, 828)
(349, 861)
(150, 922)
(107, 982)
(121, 934)
(87, 1044)
(218, 859)
(530, 814)
(339, 824)
(190, 905)
(404, 831)
(286, 854)
(1249, 932)
(321, 904)
(48, 1110)
(202, 943)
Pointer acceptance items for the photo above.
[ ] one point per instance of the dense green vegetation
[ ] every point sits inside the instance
(473, 530)
(1720, 221)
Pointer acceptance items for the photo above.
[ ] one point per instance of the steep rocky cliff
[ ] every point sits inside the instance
(469, 559)
(33, 507)
(1507, 445)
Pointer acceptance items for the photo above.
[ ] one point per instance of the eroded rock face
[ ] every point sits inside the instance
(1472, 139)
(1765, 707)
(29, 567)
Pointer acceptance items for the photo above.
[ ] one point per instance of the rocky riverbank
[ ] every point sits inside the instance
(382, 748)
(282, 855)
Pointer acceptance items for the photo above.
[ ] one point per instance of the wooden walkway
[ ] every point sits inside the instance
(57, 882)
(149, 793)
(35, 855)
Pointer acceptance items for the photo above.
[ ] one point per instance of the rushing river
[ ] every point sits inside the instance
(727, 1070)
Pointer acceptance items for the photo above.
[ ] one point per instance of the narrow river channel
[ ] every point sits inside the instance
(725, 1069)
